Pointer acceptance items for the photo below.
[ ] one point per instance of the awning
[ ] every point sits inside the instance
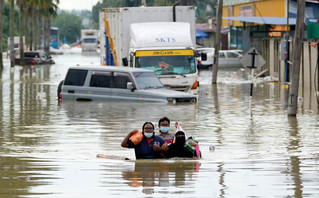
(201, 34)
(264, 20)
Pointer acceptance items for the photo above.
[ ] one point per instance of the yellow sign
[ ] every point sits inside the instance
(165, 53)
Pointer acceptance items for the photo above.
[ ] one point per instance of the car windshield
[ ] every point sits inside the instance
(167, 65)
(147, 80)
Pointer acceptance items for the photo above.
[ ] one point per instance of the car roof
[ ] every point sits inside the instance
(111, 68)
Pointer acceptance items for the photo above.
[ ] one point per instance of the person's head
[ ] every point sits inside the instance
(180, 138)
(148, 129)
(163, 124)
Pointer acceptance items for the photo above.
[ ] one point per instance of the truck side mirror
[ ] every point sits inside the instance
(125, 61)
(130, 86)
(203, 56)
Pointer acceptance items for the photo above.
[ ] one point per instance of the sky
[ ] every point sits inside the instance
(77, 4)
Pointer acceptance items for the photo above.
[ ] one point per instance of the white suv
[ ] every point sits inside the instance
(117, 83)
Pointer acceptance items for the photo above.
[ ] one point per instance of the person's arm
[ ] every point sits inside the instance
(163, 148)
(192, 143)
(127, 137)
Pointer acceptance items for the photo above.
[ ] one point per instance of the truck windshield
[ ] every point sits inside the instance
(147, 80)
(166, 65)
(89, 40)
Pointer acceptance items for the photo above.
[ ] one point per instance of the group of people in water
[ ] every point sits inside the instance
(147, 145)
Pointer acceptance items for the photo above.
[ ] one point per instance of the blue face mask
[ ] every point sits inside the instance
(148, 135)
(164, 129)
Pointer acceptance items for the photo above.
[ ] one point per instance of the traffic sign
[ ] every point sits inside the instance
(252, 59)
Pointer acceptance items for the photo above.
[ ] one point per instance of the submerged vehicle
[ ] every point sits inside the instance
(35, 57)
(227, 58)
(109, 83)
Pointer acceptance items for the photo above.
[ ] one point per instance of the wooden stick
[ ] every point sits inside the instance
(111, 157)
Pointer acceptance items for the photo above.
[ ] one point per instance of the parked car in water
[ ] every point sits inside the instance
(35, 57)
(109, 83)
(227, 58)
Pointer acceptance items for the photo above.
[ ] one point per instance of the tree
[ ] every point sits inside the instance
(12, 55)
(48, 10)
(69, 26)
(1, 30)
(21, 31)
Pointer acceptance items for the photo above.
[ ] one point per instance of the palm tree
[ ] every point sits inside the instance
(21, 31)
(48, 9)
(11, 47)
(1, 28)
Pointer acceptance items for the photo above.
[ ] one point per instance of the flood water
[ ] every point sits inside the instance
(49, 148)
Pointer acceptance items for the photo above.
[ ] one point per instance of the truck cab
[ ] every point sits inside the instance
(175, 68)
(167, 49)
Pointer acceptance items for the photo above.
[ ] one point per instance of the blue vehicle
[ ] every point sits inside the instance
(54, 37)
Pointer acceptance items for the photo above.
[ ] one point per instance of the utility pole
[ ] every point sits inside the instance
(217, 41)
(298, 40)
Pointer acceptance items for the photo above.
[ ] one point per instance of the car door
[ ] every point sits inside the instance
(119, 89)
(100, 85)
(74, 84)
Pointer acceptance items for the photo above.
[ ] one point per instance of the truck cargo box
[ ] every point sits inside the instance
(120, 19)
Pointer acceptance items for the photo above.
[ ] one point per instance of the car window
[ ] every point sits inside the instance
(221, 55)
(31, 55)
(75, 77)
(232, 55)
(101, 79)
(120, 80)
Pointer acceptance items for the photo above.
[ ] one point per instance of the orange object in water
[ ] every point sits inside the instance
(137, 137)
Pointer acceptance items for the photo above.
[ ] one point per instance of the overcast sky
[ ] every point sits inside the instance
(77, 4)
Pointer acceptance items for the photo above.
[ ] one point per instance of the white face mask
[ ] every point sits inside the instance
(164, 129)
(148, 135)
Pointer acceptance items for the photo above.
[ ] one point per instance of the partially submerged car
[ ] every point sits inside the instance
(111, 83)
(35, 57)
(227, 58)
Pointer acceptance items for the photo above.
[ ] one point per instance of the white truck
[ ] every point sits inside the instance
(89, 39)
(148, 37)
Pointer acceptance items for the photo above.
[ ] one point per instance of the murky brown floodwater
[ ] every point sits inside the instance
(48, 149)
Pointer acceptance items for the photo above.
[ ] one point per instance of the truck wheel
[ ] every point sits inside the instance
(60, 89)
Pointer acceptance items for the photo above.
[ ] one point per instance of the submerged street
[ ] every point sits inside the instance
(250, 147)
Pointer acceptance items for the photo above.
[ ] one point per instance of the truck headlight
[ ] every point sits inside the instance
(171, 100)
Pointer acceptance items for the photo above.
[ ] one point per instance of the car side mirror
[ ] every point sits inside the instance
(130, 86)
(203, 56)
(125, 61)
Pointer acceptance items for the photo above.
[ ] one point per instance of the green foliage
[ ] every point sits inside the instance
(69, 26)
(205, 8)
(6, 24)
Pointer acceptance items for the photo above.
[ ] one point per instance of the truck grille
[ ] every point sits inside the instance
(178, 88)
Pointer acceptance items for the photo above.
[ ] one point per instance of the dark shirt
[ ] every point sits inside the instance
(178, 151)
(144, 150)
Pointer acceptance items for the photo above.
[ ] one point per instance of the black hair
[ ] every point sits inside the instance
(162, 120)
(146, 124)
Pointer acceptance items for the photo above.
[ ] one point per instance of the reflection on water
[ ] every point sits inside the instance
(152, 174)
(48, 148)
